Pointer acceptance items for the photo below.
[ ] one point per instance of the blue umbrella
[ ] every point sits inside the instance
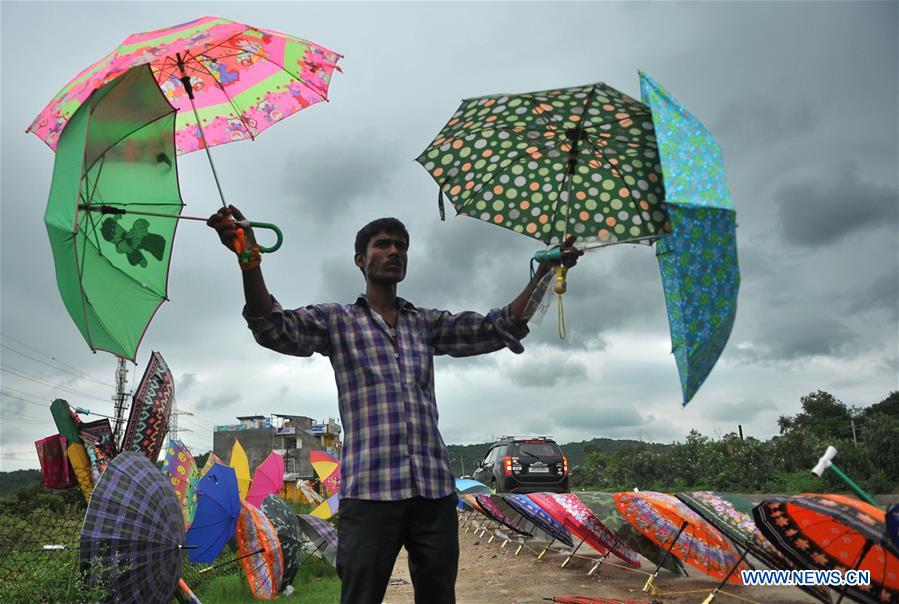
(464, 486)
(218, 507)
(698, 257)
(539, 517)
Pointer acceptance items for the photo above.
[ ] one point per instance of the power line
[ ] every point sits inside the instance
(76, 373)
(21, 343)
(24, 375)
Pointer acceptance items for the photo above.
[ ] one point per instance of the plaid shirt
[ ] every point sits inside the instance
(385, 382)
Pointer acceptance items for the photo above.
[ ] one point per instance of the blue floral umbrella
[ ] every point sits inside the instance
(698, 258)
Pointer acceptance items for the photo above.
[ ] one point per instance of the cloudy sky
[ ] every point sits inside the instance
(802, 97)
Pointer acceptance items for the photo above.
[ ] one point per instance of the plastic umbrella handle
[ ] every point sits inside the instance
(265, 225)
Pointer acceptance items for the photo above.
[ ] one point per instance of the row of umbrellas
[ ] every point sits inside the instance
(137, 526)
(712, 532)
(588, 161)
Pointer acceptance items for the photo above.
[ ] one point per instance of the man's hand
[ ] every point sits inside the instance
(570, 254)
(224, 224)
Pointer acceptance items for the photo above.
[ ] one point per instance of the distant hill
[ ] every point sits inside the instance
(576, 452)
(13, 481)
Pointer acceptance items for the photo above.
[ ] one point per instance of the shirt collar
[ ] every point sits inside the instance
(403, 304)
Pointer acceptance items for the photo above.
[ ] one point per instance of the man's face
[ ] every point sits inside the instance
(385, 259)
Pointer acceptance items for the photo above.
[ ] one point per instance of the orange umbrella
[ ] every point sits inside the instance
(834, 532)
(672, 525)
(259, 552)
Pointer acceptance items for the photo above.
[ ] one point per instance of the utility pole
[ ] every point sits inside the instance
(173, 422)
(854, 440)
(121, 378)
(740, 426)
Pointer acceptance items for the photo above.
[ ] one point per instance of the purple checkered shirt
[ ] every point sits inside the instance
(385, 382)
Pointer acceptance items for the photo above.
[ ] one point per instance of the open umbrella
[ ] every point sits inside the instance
(210, 460)
(322, 535)
(328, 469)
(151, 407)
(466, 486)
(327, 508)
(672, 525)
(268, 479)
(259, 552)
(834, 532)
(181, 468)
(603, 506)
(289, 535)
(540, 518)
(133, 533)
(577, 518)
(698, 258)
(487, 501)
(731, 514)
(241, 466)
(218, 507)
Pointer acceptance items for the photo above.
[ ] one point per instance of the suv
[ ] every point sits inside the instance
(524, 465)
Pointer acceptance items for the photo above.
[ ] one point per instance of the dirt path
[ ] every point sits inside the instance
(490, 574)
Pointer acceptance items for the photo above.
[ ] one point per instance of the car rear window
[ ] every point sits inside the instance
(540, 449)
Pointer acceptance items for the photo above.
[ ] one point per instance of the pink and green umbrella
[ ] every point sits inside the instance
(243, 80)
(181, 469)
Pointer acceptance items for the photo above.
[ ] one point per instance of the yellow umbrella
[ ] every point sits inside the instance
(241, 469)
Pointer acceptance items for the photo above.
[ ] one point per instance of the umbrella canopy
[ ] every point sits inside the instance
(538, 516)
(488, 504)
(133, 533)
(181, 468)
(698, 258)
(570, 511)
(603, 506)
(328, 469)
(466, 486)
(269, 478)
(67, 422)
(580, 160)
(112, 270)
(99, 444)
(218, 507)
(672, 525)
(243, 80)
(322, 535)
(259, 552)
(829, 532)
(56, 472)
(327, 508)
(289, 535)
(148, 421)
(241, 466)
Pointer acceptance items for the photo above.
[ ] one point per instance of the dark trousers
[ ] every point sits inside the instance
(369, 539)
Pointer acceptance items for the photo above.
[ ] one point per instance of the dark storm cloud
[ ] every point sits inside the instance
(798, 337)
(601, 419)
(185, 383)
(827, 209)
(757, 120)
(543, 373)
(217, 403)
(742, 411)
(882, 295)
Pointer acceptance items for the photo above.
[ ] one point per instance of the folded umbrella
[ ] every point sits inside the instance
(321, 534)
(289, 534)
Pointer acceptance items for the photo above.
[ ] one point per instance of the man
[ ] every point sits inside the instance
(397, 486)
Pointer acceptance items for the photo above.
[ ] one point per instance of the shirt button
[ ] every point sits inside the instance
(396, 355)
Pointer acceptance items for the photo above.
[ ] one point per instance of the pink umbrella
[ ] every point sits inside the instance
(570, 511)
(269, 478)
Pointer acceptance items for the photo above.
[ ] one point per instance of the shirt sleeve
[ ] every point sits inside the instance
(469, 333)
(299, 332)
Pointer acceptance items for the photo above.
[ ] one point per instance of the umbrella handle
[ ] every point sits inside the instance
(265, 225)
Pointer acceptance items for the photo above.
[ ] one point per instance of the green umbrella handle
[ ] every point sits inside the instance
(271, 227)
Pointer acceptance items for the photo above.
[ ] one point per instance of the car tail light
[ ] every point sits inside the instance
(507, 465)
(564, 465)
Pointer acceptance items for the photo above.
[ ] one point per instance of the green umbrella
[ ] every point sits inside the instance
(580, 160)
(116, 153)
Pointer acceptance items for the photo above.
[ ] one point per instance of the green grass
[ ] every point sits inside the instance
(315, 583)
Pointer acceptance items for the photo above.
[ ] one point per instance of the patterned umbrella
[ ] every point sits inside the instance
(730, 514)
(66, 423)
(580, 160)
(539, 517)
(148, 421)
(241, 466)
(259, 552)
(327, 508)
(99, 444)
(828, 532)
(677, 528)
(210, 460)
(322, 535)
(133, 533)
(570, 511)
(218, 507)
(289, 534)
(242, 79)
(328, 469)
(180, 467)
(603, 505)
(268, 479)
(698, 258)
(487, 502)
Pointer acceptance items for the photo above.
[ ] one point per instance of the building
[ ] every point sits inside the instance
(291, 436)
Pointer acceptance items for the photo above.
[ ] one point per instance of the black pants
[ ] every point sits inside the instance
(371, 534)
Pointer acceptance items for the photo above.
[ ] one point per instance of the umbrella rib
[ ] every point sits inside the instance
(295, 77)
